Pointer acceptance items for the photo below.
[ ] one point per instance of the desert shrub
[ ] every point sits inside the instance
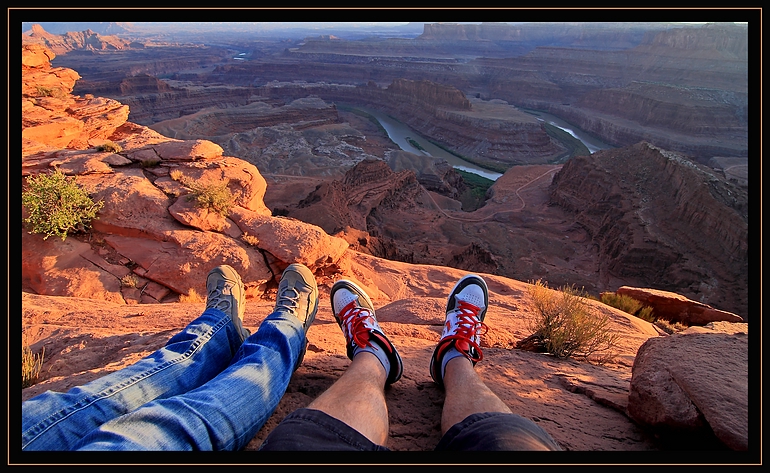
(646, 313)
(670, 327)
(149, 163)
(621, 301)
(44, 91)
(192, 297)
(56, 92)
(566, 327)
(628, 305)
(110, 147)
(129, 280)
(57, 205)
(176, 174)
(250, 239)
(31, 364)
(214, 196)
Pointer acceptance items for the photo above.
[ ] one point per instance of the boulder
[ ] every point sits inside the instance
(692, 388)
(244, 180)
(290, 240)
(188, 213)
(36, 56)
(133, 206)
(678, 308)
(58, 268)
(182, 262)
(175, 150)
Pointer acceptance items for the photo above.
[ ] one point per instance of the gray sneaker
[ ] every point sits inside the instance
(226, 293)
(298, 295)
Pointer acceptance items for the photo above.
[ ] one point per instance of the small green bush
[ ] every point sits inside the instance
(215, 196)
(566, 327)
(621, 301)
(57, 205)
(628, 305)
(31, 364)
(646, 313)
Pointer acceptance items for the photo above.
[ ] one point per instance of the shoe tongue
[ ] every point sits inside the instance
(459, 299)
(462, 345)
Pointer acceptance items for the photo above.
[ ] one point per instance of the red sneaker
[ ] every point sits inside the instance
(464, 324)
(354, 313)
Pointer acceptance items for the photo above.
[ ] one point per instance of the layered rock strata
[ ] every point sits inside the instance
(663, 221)
(216, 123)
(488, 132)
(681, 88)
(702, 71)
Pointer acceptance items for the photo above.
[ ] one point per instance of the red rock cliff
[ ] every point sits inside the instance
(695, 243)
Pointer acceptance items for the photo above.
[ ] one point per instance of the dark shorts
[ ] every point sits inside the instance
(313, 430)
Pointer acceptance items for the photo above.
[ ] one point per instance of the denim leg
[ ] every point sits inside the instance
(223, 414)
(57, 421)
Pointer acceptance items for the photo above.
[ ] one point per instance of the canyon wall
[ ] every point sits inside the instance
(148, 108)
(663, 220)
(681, 88)
(685, 89)
(80, 40)
(220, 123)
(444, 114)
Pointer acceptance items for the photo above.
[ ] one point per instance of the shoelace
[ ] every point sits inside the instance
(217, 301)
(352, 318)
(288, 301)
(468, 327)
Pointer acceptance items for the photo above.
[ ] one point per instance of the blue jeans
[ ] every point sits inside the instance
(204, 390)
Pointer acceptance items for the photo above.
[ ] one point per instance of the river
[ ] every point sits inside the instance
(399, 132)
(591, 143)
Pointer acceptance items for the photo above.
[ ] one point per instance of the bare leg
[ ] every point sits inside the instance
(466, 394)
(358, 398)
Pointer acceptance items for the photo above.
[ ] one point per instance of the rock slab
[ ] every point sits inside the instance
(693, 383)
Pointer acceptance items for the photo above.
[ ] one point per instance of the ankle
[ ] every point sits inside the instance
(378, 353)
(373, 365)
(449, 355)
(460, 375)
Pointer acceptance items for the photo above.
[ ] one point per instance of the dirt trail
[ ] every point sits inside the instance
(488, 205)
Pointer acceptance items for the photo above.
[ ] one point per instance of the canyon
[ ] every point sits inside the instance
(682, 90)
(318, 183)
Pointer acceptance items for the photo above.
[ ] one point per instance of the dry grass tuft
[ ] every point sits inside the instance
(192, 297)
(31, 364)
